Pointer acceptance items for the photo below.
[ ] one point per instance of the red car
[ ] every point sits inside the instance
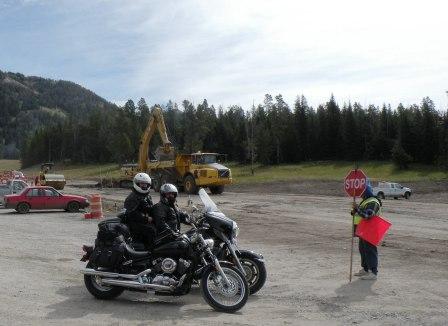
(41, 197)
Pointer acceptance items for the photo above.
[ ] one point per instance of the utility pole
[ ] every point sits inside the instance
(252, 139)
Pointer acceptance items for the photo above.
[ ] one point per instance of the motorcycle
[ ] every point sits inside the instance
(213, 224)
(169, 269)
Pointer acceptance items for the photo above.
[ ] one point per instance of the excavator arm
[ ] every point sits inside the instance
(155, 121)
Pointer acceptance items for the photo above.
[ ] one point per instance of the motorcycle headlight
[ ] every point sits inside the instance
(235, 230)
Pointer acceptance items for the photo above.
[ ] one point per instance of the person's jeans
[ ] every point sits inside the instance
(369, 256)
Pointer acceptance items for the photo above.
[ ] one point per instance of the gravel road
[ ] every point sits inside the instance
(304, 238)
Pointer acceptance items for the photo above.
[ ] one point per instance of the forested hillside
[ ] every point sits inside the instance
(271, 133)
(31, 103)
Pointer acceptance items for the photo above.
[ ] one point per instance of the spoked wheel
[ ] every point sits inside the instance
(99, 290)
(221, 296)
(255, 272)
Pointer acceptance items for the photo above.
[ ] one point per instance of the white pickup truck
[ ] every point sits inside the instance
(391, 189)
(11, 187)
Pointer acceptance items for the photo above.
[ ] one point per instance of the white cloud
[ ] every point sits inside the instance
(233, 52)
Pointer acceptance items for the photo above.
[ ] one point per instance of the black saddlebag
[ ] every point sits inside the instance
(112, 228)
(109, 251)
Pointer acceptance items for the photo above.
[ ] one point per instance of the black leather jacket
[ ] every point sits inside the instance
(138, 207)
(167, 217)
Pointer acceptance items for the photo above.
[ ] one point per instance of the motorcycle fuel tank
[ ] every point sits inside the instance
(177, 248)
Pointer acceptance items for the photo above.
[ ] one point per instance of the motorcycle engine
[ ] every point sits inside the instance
(171, 266)
(168, 265)
(169, 271)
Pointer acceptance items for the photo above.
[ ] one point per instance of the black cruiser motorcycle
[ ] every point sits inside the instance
(213, 224)
(169, 269)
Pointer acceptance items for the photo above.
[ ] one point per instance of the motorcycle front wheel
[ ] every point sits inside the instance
(221, 296)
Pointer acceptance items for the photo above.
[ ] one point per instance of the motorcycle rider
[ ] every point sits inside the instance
(138, 206)
(166, 214)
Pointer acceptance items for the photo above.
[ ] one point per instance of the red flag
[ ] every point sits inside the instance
(373, 229)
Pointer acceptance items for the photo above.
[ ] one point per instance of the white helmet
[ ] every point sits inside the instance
(168, 193)
(142, 183)
(168, 188)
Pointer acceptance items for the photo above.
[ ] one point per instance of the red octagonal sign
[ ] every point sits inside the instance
(355, 183)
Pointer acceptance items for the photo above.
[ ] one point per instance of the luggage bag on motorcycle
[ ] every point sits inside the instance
(109, 251)
(112, 228)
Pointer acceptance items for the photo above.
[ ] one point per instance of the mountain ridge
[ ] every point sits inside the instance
(28, 103)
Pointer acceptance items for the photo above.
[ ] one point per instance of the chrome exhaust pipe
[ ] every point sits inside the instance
(90, 271)
(137, 285)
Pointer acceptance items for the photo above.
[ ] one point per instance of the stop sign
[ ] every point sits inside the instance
(355, 183)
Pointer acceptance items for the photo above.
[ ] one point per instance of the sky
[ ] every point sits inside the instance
(234, 52)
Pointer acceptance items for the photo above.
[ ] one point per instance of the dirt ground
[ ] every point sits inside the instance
(304, 235)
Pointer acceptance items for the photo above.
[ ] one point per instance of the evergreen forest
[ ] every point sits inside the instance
(48, 120)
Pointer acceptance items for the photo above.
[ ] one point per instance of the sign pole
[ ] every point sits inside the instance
(355, 185)
(353, 234)
(352, 244)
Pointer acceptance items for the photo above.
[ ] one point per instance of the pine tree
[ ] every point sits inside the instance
(301, 112)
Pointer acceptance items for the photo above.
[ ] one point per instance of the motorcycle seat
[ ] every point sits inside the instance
(136, 254)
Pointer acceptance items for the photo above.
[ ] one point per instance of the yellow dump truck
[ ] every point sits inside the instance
(187, 171)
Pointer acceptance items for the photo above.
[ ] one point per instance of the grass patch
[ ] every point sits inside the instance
(9, 165)
(335, 171)
(75, 171)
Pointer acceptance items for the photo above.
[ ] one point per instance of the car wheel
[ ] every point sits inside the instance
(23, 208)
(381, 195)
(73, 206)
(407, 194)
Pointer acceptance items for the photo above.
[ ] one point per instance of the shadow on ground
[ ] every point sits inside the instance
(130, 306)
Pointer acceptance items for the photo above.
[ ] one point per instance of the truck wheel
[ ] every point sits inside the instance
(381, 195)
(190, 185)
(217, 190)
(407, 194)
(23, 208)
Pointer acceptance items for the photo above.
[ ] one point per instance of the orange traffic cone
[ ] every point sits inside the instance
(96, 207)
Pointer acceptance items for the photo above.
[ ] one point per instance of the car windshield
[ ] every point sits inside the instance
(206, 159)
(209, 205)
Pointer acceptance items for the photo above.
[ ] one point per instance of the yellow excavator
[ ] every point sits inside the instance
(188, 171)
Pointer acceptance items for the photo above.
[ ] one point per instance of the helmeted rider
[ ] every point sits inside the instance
(166, 214)
(138, 206)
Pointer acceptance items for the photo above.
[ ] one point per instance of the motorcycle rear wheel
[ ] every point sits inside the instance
(220, 296)
(255, 271)
(98, 290)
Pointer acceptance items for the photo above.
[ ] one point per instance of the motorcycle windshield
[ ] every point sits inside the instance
(209, 205)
